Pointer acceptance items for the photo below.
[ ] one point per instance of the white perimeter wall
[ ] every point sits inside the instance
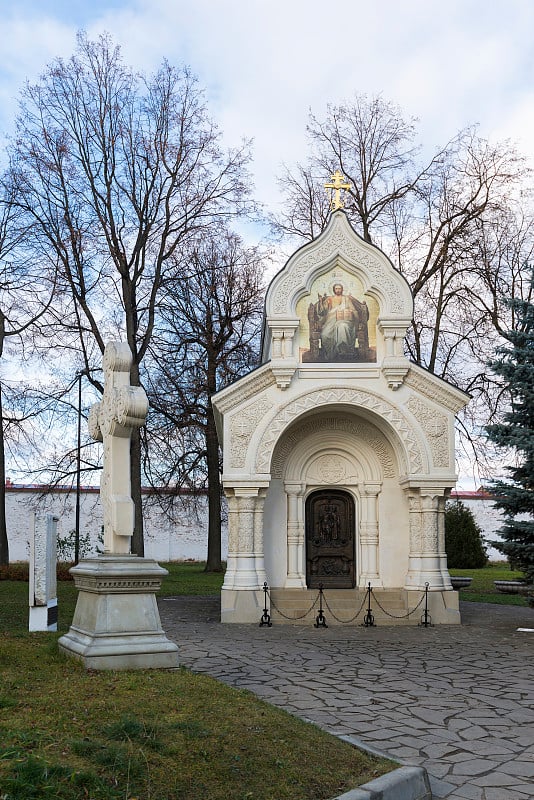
(185, 537)
(489, 520)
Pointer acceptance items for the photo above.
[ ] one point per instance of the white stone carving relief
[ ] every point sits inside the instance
(246, 506)
(415, 523)
(430, 535)
(249, 386)
(358, 429)
(339, 243)
(435, 425)
(242, 426)
(331, 469)
(353, 397)
(431, 390)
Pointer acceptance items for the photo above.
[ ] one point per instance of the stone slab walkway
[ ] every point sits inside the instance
(458, 700)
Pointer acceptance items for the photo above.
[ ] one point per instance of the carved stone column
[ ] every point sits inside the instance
(277, 343)
(369, 572)
(296, 579)
(241, 594)
(427, 563)
(259, 558)
(233, 538)
(389, 340)
(442, 554)
(413, 579)
(241, 568)
(289, 334)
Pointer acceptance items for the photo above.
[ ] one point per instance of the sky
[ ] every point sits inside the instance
(265, 63)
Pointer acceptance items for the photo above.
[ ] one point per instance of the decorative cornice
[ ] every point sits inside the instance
(250, 385)
(436, 389)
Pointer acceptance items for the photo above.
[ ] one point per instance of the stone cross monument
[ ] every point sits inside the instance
(112, 421)
(116, 624)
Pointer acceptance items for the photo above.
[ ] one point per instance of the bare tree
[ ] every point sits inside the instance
(113, 172)
(452, 226)
(212, 312)
(372, 145)
(25, 296)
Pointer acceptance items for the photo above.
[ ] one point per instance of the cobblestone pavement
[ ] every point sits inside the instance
(457, 700)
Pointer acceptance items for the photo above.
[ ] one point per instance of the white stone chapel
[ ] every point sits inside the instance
(338, 451)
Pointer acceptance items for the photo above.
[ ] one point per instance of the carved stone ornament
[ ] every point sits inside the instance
(436, 427)
(356, 429)
(359, 399)
(451, 398)
(340, 240)
(415, 523)
(331, 468)
(242, 426)
(249, 386)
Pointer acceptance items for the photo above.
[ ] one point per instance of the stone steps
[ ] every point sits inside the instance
(295, 605)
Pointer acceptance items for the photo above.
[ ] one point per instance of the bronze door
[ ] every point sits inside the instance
(330, 535)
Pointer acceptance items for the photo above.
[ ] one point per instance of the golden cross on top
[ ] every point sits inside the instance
(336, 183)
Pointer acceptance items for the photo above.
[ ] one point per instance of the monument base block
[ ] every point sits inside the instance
(116, 623)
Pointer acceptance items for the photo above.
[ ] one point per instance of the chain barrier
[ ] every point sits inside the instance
(285, 616)
(399, 616)
(426, 619)
(265, 617)
(346, 621)
(320, 620)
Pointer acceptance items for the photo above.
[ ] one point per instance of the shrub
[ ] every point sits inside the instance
(66, 545)
(463, 538)
(20, 571)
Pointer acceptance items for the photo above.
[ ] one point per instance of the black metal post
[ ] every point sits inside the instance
(369, 620)
(426, 619)
(266, 617)
(320, 620)
(78, 471)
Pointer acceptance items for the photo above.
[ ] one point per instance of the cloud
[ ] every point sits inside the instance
(264, 63)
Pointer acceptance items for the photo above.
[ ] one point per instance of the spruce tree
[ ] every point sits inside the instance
(514, 363)
(464, 544)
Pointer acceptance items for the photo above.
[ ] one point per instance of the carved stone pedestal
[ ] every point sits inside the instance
(116, 624)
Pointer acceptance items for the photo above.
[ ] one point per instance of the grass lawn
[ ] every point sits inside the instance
(69, 734)
(482, 589)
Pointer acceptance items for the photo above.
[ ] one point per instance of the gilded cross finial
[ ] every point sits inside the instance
(336, 184)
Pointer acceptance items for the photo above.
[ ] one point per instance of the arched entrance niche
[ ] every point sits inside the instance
(333, 449)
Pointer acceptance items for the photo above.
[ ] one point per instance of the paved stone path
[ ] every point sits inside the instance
(458, 700)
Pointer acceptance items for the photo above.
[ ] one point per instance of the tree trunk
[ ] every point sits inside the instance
(4, 544)
(213, 562)
(138, 542)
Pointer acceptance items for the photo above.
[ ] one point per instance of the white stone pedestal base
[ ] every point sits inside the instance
(242, 605)
(116, 623)
(43, 618)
